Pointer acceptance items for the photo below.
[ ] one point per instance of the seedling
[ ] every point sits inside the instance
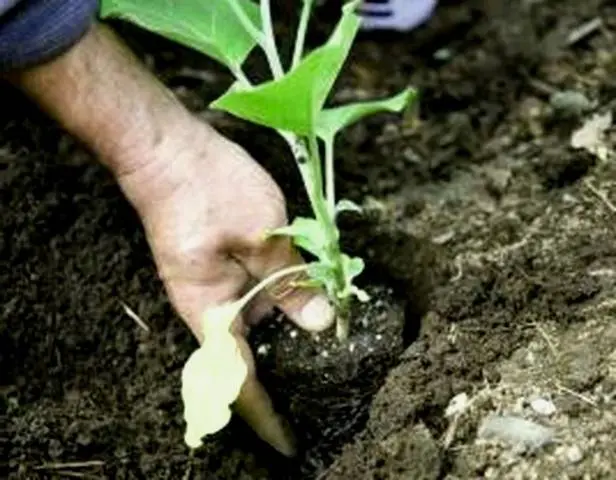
(292, 102)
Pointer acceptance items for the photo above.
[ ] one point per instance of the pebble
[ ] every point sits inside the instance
(263, 349)
(543, 406)
(574, 454)
(457, 405)
(570, 103)
(517, 432)
(293, 333)
(443, 54)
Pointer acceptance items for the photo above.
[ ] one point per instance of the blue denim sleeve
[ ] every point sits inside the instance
(34, 31)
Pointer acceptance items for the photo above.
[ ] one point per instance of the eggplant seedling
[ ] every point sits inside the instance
(292, 103)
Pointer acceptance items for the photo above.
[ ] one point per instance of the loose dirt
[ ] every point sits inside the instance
(503, 232)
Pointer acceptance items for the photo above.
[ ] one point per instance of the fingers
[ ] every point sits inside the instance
(192, 297)
(308, 307)
(253, 404)
(256, 409)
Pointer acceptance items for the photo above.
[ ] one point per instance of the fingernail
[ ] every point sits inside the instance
(317, 314)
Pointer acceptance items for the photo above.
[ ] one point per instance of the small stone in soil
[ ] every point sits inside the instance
(518, 432)
(293, 333)
(542, 406)
(324, 354)
(352, 347)
(574, 454)
(457, 405)
(263, 349)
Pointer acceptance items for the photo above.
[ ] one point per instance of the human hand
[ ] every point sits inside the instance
(205, 204)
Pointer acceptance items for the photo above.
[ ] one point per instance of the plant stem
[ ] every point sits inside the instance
(342, 324)
(317, 166)
(300, 39)
(265, 39)
(246, 22)
(326, 217)
(330, 185)
(302, 156)
(307, 155)
(274, 277)
(241, 77)
(269, 41)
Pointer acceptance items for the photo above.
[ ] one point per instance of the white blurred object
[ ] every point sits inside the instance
(401, 15)
(543, 406)
(518, 432)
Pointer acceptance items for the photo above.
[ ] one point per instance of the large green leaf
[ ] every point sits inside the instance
(209, 26)
(293, 102)
(332, 120)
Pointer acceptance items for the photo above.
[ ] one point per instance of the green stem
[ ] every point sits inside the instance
(246, 22)
(269, 44)
(330, 185)
(326, 217)
(306, 154)
(241, 77)
(300, 39)
(265, 39)
(302, 158)
(317, 167)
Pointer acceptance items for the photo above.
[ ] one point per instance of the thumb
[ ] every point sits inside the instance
(308, 307)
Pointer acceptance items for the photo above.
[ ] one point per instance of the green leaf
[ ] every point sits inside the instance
(211, 27)
(292, 103)
(345, 205)
(352, 267)
(332, 120)
(307, 234)
(325, 276)
(360, 294)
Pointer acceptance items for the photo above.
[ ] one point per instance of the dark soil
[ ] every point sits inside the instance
(494, 235)
(325, 386)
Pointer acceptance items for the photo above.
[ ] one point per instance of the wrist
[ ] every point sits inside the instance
(150, 173)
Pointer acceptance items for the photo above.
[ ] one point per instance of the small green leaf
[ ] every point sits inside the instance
(352, 267)
(292, 103)
(332, 120)
(361, 295)
(211, 27)
(324, 275)
(306, 233)
(345, 205)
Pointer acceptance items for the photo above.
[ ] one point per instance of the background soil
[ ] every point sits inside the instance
(521, 302)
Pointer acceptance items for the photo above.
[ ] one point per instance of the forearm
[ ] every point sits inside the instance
(101, 94)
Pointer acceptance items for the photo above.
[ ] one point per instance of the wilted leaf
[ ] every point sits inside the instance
(345, 205)
(213, 376)
(591, 136)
